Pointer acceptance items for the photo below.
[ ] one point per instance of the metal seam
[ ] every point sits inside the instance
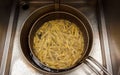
(105, 41)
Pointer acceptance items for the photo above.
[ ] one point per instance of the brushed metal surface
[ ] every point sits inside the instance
(5, 8)
(19, 64)
(104, 38)
(112, 19)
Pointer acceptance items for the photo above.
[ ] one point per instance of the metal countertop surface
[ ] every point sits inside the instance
(112, 20)
(5, 9)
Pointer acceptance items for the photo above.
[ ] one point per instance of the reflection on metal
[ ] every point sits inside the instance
(7, 41)
(105, 40)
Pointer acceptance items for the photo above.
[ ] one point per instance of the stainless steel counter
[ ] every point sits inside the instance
(5, 9)
(112, 19)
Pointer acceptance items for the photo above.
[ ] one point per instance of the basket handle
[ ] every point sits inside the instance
(97, 64)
